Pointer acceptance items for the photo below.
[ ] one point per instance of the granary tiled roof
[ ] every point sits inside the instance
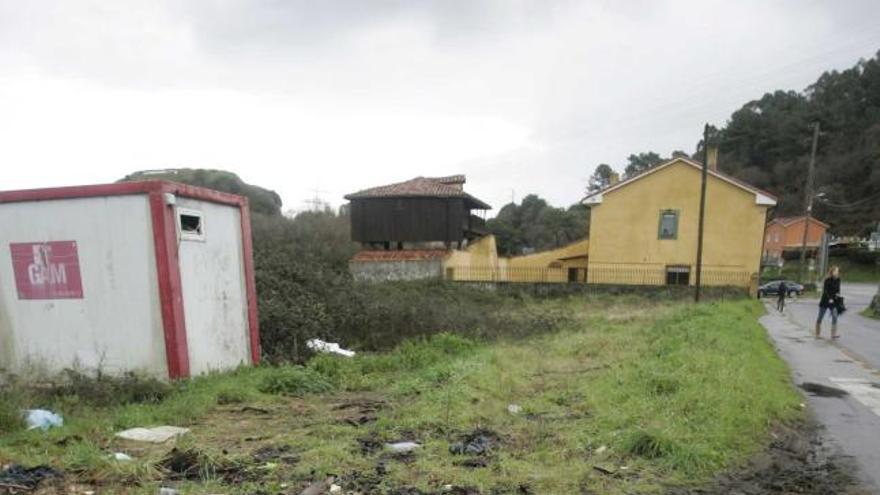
(401, 255)
(428, 187)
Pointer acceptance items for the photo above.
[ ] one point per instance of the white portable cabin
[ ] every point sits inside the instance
(150, 276)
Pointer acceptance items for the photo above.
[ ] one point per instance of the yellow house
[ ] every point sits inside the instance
(644, 230)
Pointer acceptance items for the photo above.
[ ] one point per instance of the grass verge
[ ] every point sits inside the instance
(633, 395)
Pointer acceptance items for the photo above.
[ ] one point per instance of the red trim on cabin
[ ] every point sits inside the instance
(170, 288)
(247, 250)
(121, 189)
(167, 261)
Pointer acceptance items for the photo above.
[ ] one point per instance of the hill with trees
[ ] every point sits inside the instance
(767, 143)
(261, 200)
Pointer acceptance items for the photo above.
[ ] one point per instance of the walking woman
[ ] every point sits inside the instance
(781, 292)
(830, 301)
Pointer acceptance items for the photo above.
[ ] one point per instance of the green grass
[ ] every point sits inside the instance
(869, 313)
(849, 271)
(671, 391)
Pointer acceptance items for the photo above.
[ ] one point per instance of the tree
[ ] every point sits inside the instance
(534, 224)
(641, 162)
(601, 178)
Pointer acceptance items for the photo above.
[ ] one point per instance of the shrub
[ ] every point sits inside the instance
(295, 381)
(104, 390)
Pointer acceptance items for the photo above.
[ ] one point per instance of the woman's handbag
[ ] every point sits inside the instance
(839, 303)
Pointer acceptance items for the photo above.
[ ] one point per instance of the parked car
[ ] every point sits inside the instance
(772, 288)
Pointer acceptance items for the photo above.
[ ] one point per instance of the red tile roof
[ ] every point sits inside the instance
(786, 221)
(428, 187)
(402, 255)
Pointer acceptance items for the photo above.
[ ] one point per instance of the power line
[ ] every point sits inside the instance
(849, 205)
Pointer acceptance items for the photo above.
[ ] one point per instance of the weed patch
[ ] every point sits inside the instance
(10, 412)
(295, 381)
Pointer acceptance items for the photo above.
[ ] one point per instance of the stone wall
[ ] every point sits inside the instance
(385, 271)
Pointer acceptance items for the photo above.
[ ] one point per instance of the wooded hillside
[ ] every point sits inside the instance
(767, 143)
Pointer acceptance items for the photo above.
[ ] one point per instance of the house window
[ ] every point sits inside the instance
(191, 225)
(678, 275)
(668, 224)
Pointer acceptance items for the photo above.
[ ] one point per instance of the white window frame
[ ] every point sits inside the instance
(186, 235)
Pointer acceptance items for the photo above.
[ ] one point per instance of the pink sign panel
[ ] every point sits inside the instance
(46, 270)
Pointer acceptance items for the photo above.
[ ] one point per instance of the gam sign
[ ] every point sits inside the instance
(46, 270)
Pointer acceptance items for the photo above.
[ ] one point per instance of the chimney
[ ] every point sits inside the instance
(613, 179)
(713, 158)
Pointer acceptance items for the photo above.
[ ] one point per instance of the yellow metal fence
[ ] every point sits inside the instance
(606, 275)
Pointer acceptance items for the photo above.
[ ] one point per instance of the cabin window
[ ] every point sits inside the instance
(191, 225)
(678, 275)
(668, 224)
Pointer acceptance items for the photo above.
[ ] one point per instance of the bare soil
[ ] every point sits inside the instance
(798, 461)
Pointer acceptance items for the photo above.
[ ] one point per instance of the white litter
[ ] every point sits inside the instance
(402, 446)
(168, 491)
(601, 449)
(319, 345)
(159, 434)
(335, 489)
(514, 408)
(42, 419)
(120, 456)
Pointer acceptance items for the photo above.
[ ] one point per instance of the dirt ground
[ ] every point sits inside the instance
(797, 461)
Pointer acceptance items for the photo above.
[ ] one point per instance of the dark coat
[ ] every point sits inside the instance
(782, 291)
(830, 292)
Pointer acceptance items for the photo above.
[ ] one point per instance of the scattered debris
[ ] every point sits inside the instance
(258, 410)
(369, 445)
(604, 469)
(16, 477)
(400, 447)
(168, 491)
(280, 453)
(319, 487)
(475, 462)
(257, 438)
(478, 442)
(406, 490)
(319, 345)
(335, 489)
(601, 449)
(182, 463)
(121, 456)
(360, 411)
(514, 408)
(42, 419)
(159, 434)
(820, 390)
(461, 490)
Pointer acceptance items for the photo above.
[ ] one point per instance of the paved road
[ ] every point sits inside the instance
(859, 336)
(850, 364)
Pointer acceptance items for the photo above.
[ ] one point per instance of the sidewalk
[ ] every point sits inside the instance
(845, 397)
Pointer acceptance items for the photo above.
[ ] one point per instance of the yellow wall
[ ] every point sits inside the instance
(480, 262)
(625, 246)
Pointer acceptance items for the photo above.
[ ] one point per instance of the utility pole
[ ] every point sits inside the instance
(808, 203)
(702, 212)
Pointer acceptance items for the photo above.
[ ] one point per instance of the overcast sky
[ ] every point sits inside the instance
(336, 96)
